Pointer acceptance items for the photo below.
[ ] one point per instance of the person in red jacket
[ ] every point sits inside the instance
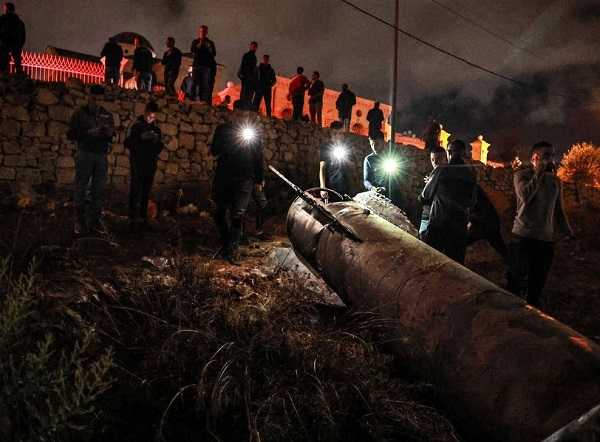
(298, 87)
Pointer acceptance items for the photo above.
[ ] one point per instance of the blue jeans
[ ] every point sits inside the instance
(91, 170)
(145, 81)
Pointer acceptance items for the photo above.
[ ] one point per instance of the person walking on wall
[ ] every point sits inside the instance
(344, 104)
(113, 55)
(143, 62)
(315, 100)
(375, 118)
(297, 89)
(12, 38)
(264, 85)
(247, 73)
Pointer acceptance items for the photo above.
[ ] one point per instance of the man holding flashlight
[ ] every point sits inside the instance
(333, 164)
(540, 219)
(238, 174)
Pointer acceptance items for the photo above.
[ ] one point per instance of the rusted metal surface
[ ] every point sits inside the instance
(519, 373)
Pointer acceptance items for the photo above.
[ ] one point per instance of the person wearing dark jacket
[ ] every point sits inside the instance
(484, 223)
(113, 55)
(12, 38)
(92, 128)
(334, 163)
(143, 61)
(438, 158)
(247, 74)
(315, 100)
(239, 172)
(373, 173)
(205, 65)
(375, 118)
(172, 62)
(539, 222)
(264, 85)
(452, 191)
(344, 104)
(187, 85)
(144, 142)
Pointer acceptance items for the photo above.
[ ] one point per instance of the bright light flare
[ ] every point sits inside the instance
(339, 152)
(390, 166)
(248, 134)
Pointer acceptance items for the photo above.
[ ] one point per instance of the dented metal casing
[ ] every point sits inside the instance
(520, 374)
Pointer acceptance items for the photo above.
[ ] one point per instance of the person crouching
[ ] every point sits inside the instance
(144, 142)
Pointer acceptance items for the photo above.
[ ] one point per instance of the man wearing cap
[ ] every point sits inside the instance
(92, 128)
(144, 142)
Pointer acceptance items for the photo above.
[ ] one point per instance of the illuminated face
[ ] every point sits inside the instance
(150, 117)
(253, 47)
(202, 31)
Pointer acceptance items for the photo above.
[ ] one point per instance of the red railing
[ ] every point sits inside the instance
(55, 68)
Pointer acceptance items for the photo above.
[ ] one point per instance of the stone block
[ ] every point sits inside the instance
(172, 169)
(164, 155)
(60, 113)
(118, 149)
(172, 144)
(46, 97)
(185, 127)
(186, 141)
(184, 164)
(182, 153)
(10, 128)
(29, 175)
(15, 160)
(57, 129)
(161, 165)
(11, 148)
(7, 173)
(159, 177)
(168, 129)
(123, 161)
(65, 162)
(34, 129)
(65, 176)
(201, 145)
(75, 84)
(19, 113)
(139, 108)
(120, 171)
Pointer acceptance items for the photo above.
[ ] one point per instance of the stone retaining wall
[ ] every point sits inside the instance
(35, 151)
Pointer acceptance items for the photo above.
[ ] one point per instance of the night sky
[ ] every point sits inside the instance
(346, 46)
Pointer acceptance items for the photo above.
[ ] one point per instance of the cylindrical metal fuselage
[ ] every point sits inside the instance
(519, 373)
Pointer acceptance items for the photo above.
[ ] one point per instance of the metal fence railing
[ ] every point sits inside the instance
(55, 68)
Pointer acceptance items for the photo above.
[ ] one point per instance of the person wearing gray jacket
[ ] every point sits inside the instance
(539, 222)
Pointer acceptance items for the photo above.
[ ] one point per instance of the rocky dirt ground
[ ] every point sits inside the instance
(289, 365)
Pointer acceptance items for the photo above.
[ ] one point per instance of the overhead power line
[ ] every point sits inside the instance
(452, 55)
(433, 46)
(484, 29)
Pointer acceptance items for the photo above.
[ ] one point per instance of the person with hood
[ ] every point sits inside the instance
(92, 127)
(247, 74)
(239, 172)
(264, 85)
(12, 38)
(172, 62)
(344, 104)
(205, 65)
(144, 142)
(452, 191)
(297, 89)
(113, 55)
(143, 62)
(539, 222)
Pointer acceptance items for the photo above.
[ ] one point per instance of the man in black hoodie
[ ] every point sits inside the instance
(344, 104)
(239, 172)
(452, 191)
(113, 55)
(264, 85)
(247, 73)
(172, 63)
(92, 127)
(144, 142)
(143, 61)
(12, 38)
